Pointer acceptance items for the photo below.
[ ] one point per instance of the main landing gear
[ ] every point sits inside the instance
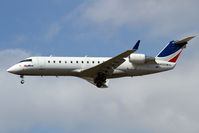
(100, 80)
(22, 79)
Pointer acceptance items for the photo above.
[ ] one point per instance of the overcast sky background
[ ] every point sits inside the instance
(167, 102)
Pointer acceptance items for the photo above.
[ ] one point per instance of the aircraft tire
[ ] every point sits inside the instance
(99, 84)
(22, 81)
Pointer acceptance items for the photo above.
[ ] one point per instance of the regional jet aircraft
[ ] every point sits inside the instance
(97, 70)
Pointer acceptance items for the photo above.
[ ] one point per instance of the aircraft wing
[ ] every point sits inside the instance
(110, 65)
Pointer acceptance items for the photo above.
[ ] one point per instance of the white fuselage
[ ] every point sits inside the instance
(72, 66)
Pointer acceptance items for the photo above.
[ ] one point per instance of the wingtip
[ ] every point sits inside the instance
(137, 45)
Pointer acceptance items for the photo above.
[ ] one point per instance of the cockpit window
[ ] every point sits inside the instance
(27, 60)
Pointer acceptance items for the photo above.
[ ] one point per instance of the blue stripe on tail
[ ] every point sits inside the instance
(170, 49)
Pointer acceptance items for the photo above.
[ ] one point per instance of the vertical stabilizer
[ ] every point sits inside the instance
(173, 50)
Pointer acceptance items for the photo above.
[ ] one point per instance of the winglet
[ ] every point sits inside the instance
(137, 45)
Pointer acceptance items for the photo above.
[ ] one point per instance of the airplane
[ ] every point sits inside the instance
(97, 70)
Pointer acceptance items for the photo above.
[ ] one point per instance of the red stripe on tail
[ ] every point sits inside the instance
(174, 59)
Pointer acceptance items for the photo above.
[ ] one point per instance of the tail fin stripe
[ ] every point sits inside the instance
(174, 59)
(170, 49)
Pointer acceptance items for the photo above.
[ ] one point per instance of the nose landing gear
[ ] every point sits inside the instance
(22, 79)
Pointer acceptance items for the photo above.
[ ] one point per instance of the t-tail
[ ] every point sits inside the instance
(173, 50)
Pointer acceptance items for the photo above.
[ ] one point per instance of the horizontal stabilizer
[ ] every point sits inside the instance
(184, 41)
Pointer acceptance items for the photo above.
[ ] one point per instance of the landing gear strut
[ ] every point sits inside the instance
(22, 79)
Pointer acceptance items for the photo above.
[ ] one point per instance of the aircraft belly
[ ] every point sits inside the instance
(133, 70)
(130, 73)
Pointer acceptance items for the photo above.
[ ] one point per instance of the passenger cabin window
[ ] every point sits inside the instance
(48, 61)
(26, 60)
(59, 61)
(65, 61)
(93, 62)
(87, 61)
(54, 61)
(71, 61)
(98, 61)
(76, 61)
(82, 62)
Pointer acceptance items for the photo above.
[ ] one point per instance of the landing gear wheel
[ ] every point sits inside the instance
(99, 84)
(100, 80)
(22, 81)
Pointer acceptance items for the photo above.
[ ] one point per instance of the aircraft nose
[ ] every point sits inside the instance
(14, 69)
(11, 70)
(8, 70)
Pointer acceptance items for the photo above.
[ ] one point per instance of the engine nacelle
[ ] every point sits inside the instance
(140, 58)
(137, 58)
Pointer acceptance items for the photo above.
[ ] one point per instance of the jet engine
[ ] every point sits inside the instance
(140, 58)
